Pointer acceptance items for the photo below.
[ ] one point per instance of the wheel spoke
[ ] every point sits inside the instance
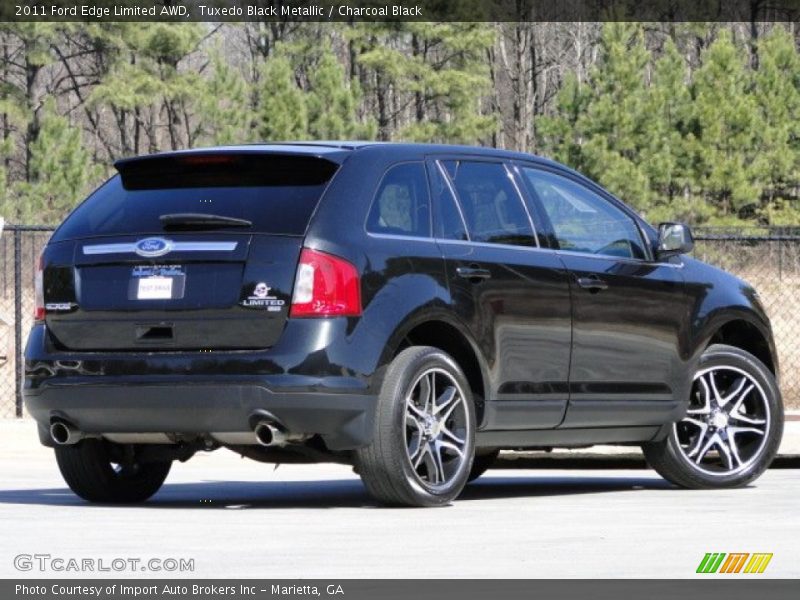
(422, 452)
(438, 465)
(741, 398)
(738, 416)
(726, 451)
(446, 402)
(425, 392)
(415, 448)
(696, 422)
(742, 381)
(705, 448)
(706, 409)
(734, 450)
(411, 419)
(450, 446)
(446, 432)
(712, 380)
(732, 431)
(447, 409)
(413, 409)
(700, 439)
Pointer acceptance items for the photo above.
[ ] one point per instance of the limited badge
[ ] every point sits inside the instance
(260, 298)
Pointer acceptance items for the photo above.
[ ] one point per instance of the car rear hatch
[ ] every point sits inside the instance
(194, 251)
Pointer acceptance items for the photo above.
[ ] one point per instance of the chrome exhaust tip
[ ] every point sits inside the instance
(267, 434)
(64, 434)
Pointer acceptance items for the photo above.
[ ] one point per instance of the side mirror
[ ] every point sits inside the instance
(674, 239)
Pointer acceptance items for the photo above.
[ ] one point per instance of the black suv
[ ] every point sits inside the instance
(408, 309)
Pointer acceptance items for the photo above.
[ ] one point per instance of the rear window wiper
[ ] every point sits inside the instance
(200, 221)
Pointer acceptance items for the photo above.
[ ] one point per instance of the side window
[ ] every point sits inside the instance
(490, 203)
(584, 221)
(447, 221)
(401, 205)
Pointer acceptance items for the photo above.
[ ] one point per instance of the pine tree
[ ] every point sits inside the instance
(559, 135)
(445, 71)
(725, 128)
(22, 71)
(777, 95)
(601, 129)
(282, 112)
(665, 156)
(333, 102)
(224, 115)
(61, 171)
(453, 88)
(146, 80)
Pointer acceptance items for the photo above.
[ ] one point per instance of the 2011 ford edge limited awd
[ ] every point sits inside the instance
(408, 309)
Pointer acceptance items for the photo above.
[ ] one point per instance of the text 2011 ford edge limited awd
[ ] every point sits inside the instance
(409, 309)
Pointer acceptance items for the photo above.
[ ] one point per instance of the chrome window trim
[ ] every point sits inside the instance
(446, 178)
(443, 172)
(521, 198)
(635, 261)
(400, 236)
(130, 247)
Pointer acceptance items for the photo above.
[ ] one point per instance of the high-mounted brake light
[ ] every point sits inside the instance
(325, 286)
(208, 159)
(38, 291)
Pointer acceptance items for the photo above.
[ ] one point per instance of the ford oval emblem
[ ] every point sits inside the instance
(153, 247)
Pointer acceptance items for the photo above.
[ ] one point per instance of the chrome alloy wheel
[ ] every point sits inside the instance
(725, 428)
(436, 421)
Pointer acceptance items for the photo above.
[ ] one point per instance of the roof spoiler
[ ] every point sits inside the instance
(223, 168)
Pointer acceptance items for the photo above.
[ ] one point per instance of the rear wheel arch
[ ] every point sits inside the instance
(449, 338)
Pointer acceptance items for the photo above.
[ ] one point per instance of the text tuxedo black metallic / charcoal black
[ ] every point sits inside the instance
(410, 309)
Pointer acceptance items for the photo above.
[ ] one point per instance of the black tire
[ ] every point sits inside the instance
(482, 462)
(89, 471)
(670, 458)
(385, 465)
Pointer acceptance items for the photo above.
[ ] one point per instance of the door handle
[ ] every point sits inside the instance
(473, 273)
(593, 283)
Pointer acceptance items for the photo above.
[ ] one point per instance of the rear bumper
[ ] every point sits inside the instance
(197, 393)
(343, 420)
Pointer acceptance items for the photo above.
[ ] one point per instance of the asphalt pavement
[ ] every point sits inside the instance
(228, 517)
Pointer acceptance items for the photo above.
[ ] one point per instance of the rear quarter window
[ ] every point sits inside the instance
(402, 205)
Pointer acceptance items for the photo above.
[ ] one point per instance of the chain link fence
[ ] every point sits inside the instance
(767, 258)
(20, 247)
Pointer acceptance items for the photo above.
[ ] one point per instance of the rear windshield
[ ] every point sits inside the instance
(277, 195)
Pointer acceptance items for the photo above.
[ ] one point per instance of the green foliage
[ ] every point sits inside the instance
(62, 172)
(713, 146)
(446, 70)
(146, 66)
(560, 134)
(224, 115)
(666, 158)
(776, 91)
(332, 102)
(278, 91)
(724, 120)
(679, 120)
(615, 121)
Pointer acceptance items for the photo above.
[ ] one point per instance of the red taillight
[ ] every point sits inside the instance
(38, 291)
(325, 286)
